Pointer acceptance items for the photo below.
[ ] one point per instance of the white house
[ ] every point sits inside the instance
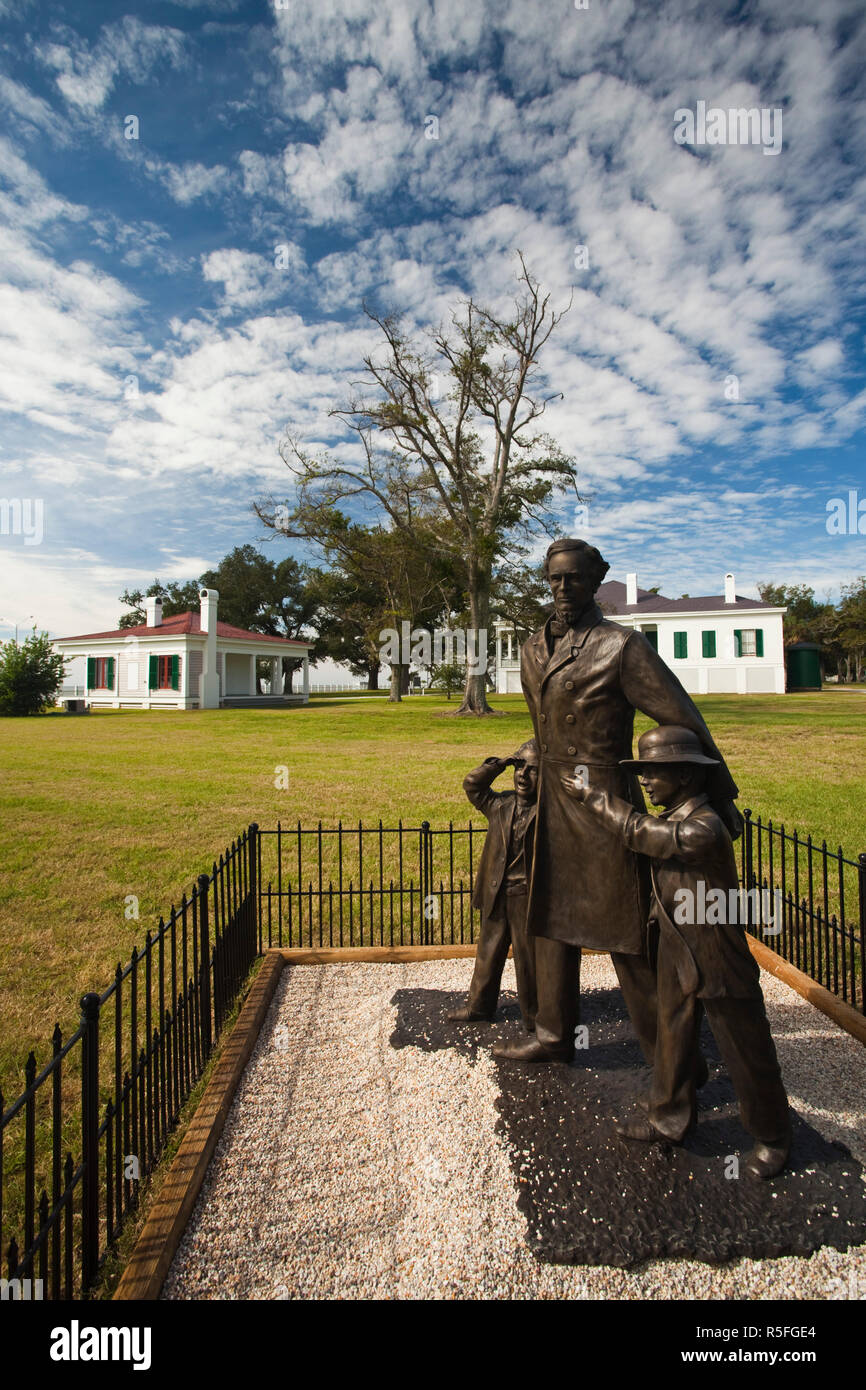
(187, 661)
(722, 643)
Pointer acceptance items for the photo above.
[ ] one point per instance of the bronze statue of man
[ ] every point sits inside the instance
(583, 677)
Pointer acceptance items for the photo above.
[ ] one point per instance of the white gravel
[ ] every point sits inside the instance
(352, 1169)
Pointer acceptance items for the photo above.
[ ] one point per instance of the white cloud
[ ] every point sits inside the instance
(87, 73)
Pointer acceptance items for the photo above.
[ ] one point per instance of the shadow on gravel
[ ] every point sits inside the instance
(589, 1198)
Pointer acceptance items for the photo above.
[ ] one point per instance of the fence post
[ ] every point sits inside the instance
(204, 958)
(253, 846)
(748, 831)
(861, 884)
(425, 883)
(89, 1140)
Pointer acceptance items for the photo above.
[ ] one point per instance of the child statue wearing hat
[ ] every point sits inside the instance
(703, 959)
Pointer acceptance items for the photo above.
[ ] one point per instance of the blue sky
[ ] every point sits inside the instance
(305, 127)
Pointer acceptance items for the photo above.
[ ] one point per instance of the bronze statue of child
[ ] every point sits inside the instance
(703, 959)
(502, 884)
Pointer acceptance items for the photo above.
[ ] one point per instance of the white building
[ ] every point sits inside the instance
(187, 661)
(719, 644)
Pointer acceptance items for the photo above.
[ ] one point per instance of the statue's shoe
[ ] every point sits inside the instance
(766, 1160)
(640, 1130)
(467, 1015)
(527, 1051)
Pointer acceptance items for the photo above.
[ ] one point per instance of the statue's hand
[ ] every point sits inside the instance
(575, 788)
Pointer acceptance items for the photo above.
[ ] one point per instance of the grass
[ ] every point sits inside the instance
(134, 803)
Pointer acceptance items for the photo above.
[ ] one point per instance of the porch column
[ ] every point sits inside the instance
(306, 686)
(276, 675)
(252, 677)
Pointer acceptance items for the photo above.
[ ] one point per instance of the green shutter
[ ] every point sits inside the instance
(738, 642)
(759, 641)
(91, 672)
(708, 643)
(681, 644)
(153, 673)
(109, 683)
(175, 673)
(653, 639)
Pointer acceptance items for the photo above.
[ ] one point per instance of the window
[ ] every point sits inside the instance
(708, 644)
(681, 644)
(100, 673)
(749, 641)
(651, 635)
(164, 673)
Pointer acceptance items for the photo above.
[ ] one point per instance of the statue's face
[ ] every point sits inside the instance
(526, 779)
(570, 584)
(666, 783)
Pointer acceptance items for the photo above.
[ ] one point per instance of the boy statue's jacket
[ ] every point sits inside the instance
(691, 849)
(498, 807)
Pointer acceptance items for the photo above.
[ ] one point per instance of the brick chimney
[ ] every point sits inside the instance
(730, 595)
(631, 588)
(153, 612)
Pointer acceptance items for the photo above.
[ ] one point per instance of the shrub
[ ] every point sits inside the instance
(31, 673)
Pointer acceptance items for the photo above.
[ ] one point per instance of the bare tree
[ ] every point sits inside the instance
(467, 458)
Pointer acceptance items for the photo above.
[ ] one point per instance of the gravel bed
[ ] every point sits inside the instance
(351, 1168)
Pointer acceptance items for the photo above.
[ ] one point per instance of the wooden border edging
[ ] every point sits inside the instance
(836, 1009)
(156, 1246)
(380, 955)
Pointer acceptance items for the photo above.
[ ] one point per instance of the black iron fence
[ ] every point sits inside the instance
(412, 885)
(369, 885)
(810, 905)
(95, 1120)
(93, 1123)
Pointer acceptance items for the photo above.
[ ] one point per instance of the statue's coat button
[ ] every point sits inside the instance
(543, 718)
(569, 685)
(571, 750)
(569, 719)
(544, 747)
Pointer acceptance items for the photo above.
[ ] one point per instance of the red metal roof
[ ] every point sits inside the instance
(177, 625)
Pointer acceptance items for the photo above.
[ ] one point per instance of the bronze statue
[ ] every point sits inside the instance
(583, 677)
(502, 885)
(703, 959)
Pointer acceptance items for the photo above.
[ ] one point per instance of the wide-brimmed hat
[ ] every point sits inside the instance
(669, 743)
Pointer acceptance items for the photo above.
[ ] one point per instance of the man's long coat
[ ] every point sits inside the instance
(588, 888)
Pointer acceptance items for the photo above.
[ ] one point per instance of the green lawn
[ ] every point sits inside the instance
(120, 803)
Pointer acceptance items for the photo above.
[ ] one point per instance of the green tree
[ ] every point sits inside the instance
(395, 573)
(346, 607)
(177, 597)
(851, 626)
(448, 676)
(31, 674)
